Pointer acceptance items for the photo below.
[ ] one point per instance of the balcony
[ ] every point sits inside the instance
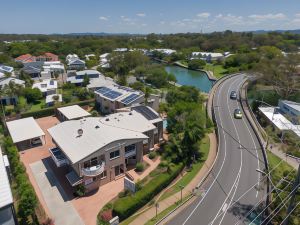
(93, 170)
(58, 157)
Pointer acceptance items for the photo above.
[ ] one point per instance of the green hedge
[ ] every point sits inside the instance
(27, 200)
(125, 207)
(51, 110)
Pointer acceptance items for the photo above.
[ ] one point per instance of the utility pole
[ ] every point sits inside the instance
(293, 195)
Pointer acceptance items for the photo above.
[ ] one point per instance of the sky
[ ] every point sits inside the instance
(147, 16)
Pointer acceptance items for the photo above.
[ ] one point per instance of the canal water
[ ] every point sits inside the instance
(190, 77)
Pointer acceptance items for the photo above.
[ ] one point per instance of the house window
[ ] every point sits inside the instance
(114, 154)
(94, 161)
(129, 148)
(103, 175)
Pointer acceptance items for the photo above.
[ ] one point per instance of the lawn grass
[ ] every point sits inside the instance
(38, 105)
(186, 179)
(218, 70)
(160, 215)
(279, 172)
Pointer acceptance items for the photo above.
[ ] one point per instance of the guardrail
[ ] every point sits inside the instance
(256, 128)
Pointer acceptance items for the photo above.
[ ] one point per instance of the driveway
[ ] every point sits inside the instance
(62, 210)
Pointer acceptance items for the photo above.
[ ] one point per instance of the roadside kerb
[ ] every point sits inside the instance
(211, 114)
(253, 123)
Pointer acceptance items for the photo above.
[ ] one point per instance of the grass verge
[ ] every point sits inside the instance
(188, 177)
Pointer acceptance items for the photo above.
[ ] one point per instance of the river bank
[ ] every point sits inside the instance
(209, 74)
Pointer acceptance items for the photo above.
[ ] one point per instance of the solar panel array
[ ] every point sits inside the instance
(130, 99)
(146, 112)
(107, 92)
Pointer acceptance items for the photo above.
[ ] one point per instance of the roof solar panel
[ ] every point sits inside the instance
(112, 94)
(102, 90)
(130, 99)
(146, 112)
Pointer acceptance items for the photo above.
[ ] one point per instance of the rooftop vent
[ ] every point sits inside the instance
(97, 127)
(130, 113)
(107, 119)
(80, 132)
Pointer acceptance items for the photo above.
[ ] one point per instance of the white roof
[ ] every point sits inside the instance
(45, 85)
(101, 81)
(5, 191)
(24, 129)
(7, 69)
(87, 72)
(165, 50)
(6, 80)
(206, 54)
(120, 50)
(49, 98)
(95, 135)
(277, 118)
(73, 112)
(132, 121)
(104, 55)
(294, 105)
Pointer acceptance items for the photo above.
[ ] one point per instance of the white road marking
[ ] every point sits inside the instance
(224, 207)
(225, 154)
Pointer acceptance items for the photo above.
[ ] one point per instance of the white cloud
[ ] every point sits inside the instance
(125, 19)
(297, 15)
(141, 14)
(162, 22)
(270, 16)
(103, 18)
(203, 15)
(230, 19)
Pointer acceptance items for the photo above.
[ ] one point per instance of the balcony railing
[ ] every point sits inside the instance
(93, 170)
(58, 157)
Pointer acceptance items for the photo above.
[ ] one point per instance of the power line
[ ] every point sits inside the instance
(288, 215)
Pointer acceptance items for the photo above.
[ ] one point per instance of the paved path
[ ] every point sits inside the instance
(150, 213)
(61, 210)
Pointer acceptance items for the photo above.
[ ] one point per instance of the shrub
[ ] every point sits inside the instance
(152, 155)
(126, 206)
(80, 190)
(139, 167)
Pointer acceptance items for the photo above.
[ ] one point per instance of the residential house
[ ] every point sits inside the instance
(72, 112)
(113, 97)
(207, 56)
(6, 69)
(35, 70)
(7, 211)
(7, 99)
(164, 51)
(99, 150)
(51, 99)
(74, 63)
(103, 60)
(78, 77)
(120, 50)
(47, 87)
(27, 58)
(54, 67)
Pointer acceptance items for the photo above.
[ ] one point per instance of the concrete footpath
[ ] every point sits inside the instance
(62, 210)
(164, 204)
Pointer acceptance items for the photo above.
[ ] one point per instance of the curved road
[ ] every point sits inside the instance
(233, 186)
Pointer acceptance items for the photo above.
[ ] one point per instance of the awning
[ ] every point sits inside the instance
(73, 178)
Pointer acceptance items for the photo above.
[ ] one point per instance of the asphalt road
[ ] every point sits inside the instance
(234, 186)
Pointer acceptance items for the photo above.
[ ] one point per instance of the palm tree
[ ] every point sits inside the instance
(192, 134)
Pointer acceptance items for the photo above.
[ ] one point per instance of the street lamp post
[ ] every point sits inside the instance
(181, 188)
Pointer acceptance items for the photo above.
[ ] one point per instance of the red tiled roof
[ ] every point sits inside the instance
(25, 58)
